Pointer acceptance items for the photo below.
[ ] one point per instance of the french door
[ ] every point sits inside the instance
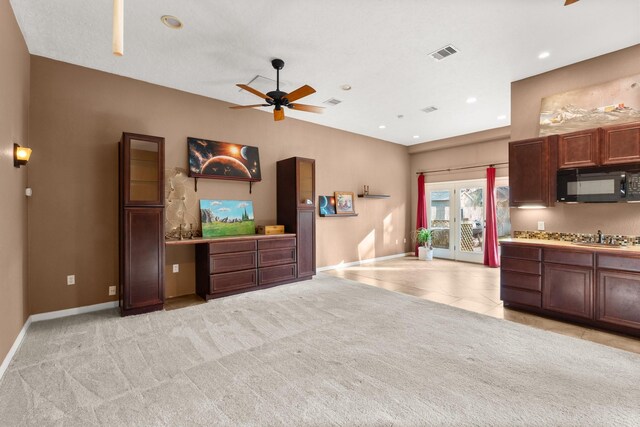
(455, 213)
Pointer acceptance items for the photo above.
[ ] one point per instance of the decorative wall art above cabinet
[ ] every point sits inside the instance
(223, 160)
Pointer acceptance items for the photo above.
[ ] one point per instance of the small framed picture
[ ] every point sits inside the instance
(344, 202)
(327, 205)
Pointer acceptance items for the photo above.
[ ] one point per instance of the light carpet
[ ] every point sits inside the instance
(322, 352)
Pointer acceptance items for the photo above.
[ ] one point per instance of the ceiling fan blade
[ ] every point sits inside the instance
(239, 107)
(309, 108)
(278, 114)
(568, 2)
(253, 91)
(301, 92)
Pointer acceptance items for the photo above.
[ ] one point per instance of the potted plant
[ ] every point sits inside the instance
(422, 236)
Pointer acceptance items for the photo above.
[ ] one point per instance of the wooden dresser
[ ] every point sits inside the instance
(229, 265)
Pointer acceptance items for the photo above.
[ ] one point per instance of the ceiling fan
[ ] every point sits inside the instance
(279, 99)
(568, 2)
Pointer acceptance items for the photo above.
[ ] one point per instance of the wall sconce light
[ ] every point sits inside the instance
(21, 155)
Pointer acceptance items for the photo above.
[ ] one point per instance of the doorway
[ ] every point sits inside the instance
(455, 211)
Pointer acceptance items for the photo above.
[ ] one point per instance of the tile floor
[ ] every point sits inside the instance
(468, 286)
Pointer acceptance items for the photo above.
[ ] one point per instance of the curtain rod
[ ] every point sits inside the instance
(465, 167)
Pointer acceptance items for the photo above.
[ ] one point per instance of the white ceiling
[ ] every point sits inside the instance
(379, 47)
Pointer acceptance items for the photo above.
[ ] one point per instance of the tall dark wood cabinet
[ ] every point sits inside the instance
(296, 209)
(141, 184)
(532, 171)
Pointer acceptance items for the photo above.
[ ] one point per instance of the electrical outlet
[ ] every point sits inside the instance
(71, 279)
(176, 268)
(112, 290)
(540, 225)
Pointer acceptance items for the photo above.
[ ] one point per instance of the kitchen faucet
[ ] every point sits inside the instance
(600, 237)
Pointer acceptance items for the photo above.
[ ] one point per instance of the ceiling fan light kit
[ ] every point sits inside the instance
(278, 98)
(118, 27)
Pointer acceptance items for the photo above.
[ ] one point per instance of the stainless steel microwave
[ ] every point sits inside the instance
(598, 185)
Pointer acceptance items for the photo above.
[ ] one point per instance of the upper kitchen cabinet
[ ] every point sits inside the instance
(579, 149)
(532, 169)
(620, 144)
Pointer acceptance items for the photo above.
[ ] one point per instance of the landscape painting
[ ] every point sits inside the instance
(213, 159)
(611, 103)
(227, 218)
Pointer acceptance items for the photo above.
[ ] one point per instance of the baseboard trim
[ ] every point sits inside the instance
(48, 316)
(14, 348)
(363, 261)
(73, 311)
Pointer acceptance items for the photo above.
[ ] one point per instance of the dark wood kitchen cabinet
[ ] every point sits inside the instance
(568, 282)
(620, 144)
(521, 275)
(619, 290)
(296, 209)
(611, 145)
(532, 171)
(579, 149)
(592, 286)
(141, 223)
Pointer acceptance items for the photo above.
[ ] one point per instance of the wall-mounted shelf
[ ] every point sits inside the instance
(373, 196)
(328, 215)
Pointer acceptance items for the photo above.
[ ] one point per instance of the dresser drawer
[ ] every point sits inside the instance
(617, 262)
(520, 265)
(519, 296)
(277, 274)
(227, 247)
(522, 252)
(232, 281)
(583, 259)
(521, 280)
(276, 257)
(232, 262)
(287, 242)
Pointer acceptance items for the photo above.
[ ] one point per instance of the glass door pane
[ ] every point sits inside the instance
(439, 217)
(143, 171)
(502, 212)
(471, 231)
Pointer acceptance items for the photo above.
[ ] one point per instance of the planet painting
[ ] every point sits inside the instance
(213, 159)
(327, 205)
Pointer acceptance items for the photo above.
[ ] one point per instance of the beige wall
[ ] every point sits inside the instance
(14, 105)
(78, 115)
(477, 148)
(526, 96)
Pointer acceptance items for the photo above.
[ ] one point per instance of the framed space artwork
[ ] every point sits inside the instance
(223, 160)
(327, 205)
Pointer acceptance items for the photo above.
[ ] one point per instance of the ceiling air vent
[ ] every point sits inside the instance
(442, 53)
(332, 101)
(430, 109)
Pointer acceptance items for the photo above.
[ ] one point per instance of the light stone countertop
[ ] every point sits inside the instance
(631, 250)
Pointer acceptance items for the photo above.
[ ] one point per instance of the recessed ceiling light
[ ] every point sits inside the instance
(345, 87)
(416, 136)
(171, 22)
(471, 100)
(501, 117)
(382, 127)
(543, 55)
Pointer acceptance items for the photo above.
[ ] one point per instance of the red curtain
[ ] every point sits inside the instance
(491, 257)
(421, 220)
